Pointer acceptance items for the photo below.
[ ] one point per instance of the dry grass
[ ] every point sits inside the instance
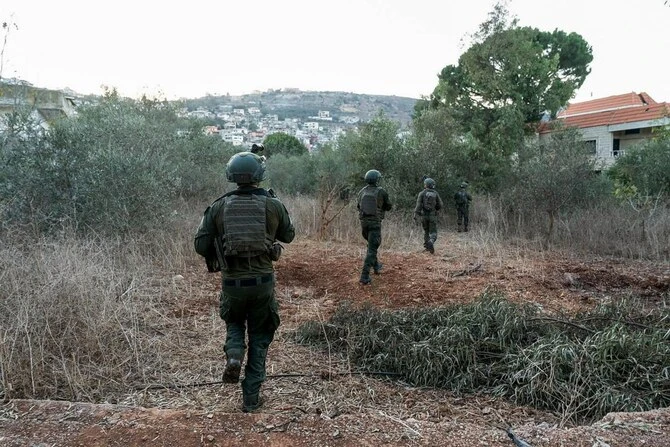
(94, 319)
(78, 318)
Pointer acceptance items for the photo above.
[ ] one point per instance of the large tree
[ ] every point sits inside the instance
(282, 143)
(509, 78)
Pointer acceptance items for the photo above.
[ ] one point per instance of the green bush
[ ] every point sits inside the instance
(117, 166)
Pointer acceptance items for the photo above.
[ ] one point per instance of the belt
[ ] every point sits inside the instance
(248, 282)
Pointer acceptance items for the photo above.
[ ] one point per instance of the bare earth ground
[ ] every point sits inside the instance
(320, 403)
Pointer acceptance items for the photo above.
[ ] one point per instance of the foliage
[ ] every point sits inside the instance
(642, 178)
(614, 358)
(292, 174)
(554, 175)
(643, 172)
(440, 151)
(116, 166)
(506, 81)
(282, 143)
(378, 145)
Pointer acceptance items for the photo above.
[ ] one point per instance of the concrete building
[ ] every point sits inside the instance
(611, 125)
(45, 106)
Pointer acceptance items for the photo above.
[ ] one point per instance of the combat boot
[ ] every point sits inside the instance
(232, 372)
(378, 268)
(251, 402)
(460, 229)
(430, 247)
(365, 279)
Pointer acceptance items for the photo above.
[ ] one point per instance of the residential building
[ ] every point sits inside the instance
(611, 125)
(312, 125)
(44, 105)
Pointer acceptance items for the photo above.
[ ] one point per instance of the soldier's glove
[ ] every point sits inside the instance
(275, 251)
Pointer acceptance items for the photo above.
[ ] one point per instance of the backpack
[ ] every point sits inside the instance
(429, 200)
(244, 229)
(461, 198)
(370, 201)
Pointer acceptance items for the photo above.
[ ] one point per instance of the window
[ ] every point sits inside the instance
(590, 147)
(631, 131)
(616, 148)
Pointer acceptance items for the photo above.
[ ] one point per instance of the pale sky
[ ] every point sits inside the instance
(390, 47)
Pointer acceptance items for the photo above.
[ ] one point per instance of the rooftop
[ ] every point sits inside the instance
(618, 109)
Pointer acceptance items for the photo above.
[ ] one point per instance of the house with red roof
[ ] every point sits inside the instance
(612, 124)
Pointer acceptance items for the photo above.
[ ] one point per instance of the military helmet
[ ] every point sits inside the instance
(372, 176)
(464, 185)
(429, 183)
(245, 168)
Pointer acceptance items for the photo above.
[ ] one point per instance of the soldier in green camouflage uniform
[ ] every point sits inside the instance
(373, 202)
(428, 203)
(462, 199)
(238, 235)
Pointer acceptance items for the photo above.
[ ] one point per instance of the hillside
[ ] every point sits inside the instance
(302, 104)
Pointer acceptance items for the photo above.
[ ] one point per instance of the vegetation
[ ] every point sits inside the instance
(614, 358)
(118, 166)
(507, 80)
(93, 203)
(281, 143)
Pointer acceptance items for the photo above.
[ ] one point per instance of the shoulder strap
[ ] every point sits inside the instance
(255, 191)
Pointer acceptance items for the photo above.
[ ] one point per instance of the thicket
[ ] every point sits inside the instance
(614, 358)
(117, 166)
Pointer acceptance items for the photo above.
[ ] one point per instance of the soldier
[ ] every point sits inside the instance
(373, 202)
(238, 236)
(462, 199)
(428, 203)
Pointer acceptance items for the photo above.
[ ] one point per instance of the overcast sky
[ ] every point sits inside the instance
(391, 47)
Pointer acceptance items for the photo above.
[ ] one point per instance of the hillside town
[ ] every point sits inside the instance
(247, 125)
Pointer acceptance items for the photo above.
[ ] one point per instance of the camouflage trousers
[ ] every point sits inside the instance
(429, 224)
(251, 311)
(372, 232)
(462, 217)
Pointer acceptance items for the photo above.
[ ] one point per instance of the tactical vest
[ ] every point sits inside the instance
(461, 198)
(244, 226)
(371, 205)
(429, 200)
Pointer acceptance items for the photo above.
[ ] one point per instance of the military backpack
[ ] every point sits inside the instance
(371, 201)
(461, 198)
(429, 200)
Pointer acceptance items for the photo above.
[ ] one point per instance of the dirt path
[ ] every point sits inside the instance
(350, 409)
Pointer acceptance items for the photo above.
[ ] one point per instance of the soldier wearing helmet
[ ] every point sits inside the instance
(239, 236)
(462, 198)
(428, 203)
(373, 202)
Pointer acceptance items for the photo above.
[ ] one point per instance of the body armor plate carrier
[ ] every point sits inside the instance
(244, 226)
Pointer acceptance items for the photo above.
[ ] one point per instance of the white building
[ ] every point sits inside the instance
(612, 124)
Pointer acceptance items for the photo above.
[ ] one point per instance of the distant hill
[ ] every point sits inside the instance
(291, 103)
(294, 103)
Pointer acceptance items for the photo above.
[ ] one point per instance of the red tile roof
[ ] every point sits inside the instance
(620, 116)
(618, 109)
(631, 99)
